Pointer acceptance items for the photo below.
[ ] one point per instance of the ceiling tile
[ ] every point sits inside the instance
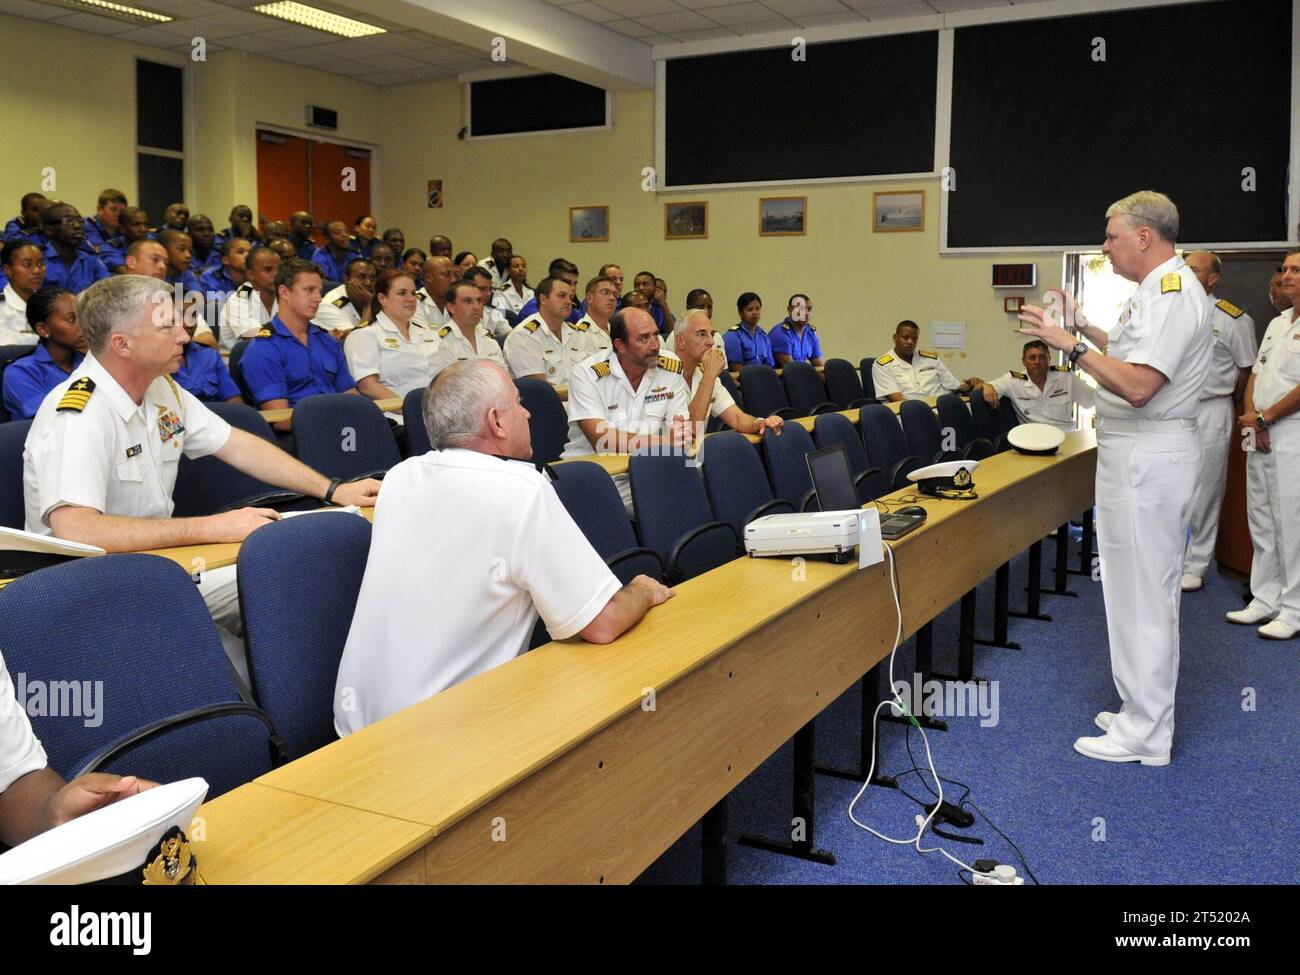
(592, 11)
(631, 28)
(397, 43)
(740, 13)
(640, 8)
(766, 27)
(794, 9)
(253, 43)
(680, 21)
(655, 39)
(92, 22)
(154, 37)
(293, 36)
(183, 8)
(36, 11)
(949, 6)
(832, 20)
(899, 10)
(390, 62)
(708, 34)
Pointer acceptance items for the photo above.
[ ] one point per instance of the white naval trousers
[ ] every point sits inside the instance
(1273, 511)
(1146, 476)
(1214, 422)
(220, 591)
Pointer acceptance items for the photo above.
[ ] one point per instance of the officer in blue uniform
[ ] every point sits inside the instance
(746, 342)
(203, 373)
(204, 252)
(300, 227)
(106, 223)
(178, 245)
(28, 222)
(133, 225)
(241, 225)
(333, 259)
(291, 358)
(69, 261)
(52, 312)
(795, 338)
(220, 281)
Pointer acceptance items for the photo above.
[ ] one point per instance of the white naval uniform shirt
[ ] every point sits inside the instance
(599, 390)
(598, 339)
(20, 750)
(516, 552)
(720, 401)
(14, 329)
(429, 314)
(495, 322)
(102, 451)
(454, 347)
(242, 313)
(508, 299)
(926, 375)
(532, 349)
(1234, 347)
(1277, 370)
(1053, 404)
(378, 349)
(499, 278)
(1164, 324)
(337, 312)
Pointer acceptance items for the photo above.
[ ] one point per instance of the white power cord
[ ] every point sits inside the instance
(922, 822)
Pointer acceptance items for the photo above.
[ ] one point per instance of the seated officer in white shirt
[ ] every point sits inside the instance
(391, 355)
(908, 373)
(629, 399)
(254, 303)
(343, 307)
(439, 274)
(1041, 394)
(465, 336)
(546, 345)
(601, 303)
(702, 364)
(101, 457)
(514, 293)
(498, 540)
(33, 797)
(494, 319)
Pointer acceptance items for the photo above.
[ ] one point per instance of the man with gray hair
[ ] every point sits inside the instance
(475, 515)
(100, 460)
(1150, 377)
(702, 365)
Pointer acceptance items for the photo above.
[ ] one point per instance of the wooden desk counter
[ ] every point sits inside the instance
(593, 760)
(393, 405)
(216, 555)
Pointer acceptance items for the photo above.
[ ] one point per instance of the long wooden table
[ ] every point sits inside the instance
(393, 405)
(552, 768)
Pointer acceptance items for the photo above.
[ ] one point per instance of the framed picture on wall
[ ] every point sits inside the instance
(898, 212)
(686, 221)
(588, 224)
(782, 216)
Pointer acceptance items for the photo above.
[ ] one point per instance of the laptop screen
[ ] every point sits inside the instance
(833, 479)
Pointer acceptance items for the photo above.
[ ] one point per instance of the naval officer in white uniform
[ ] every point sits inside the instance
(1157, 358)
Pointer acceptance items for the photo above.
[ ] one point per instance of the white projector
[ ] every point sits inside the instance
(833, 533)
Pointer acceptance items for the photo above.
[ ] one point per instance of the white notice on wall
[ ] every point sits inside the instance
(948, 335)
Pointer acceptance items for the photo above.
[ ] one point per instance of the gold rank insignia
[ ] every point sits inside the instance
(532, 326)
(672, 365)
(444, 331)
(340, 301)
(1232, 310)
(76, 396)
(885, 359)
(1018, 375)
(392, 343)
(172, 863)
(578, 326)
(263, 334)
(601, 369)
(928, 355)
(1173, 281)
(1060, 368)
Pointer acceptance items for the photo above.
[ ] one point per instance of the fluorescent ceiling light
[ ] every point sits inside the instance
(121, 11)
(300, 13)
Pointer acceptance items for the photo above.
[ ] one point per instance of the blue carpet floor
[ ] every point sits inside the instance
(1219, 813)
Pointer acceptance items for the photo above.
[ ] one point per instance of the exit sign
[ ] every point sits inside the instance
(1015, 275)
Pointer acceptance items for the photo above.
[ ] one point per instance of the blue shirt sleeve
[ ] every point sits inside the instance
(263, 371)
(816, 345)
(780, 344)
(735, 351)
(343, 381)
(226, 387)
(97, 270)
(23, 389)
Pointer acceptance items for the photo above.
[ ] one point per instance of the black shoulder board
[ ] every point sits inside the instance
(76, 396)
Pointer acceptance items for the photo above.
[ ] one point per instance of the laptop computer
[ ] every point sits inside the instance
(832, 479)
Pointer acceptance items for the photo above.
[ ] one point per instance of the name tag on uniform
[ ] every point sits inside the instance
(1059, 392)
(134, 451)
(391, 343)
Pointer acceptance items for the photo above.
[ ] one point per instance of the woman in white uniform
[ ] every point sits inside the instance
(391, 355)
(24, 266)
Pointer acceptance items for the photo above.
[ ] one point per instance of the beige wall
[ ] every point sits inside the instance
(861, 283)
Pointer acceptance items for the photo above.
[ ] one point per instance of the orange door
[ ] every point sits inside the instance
(282, 184)
(340, 183)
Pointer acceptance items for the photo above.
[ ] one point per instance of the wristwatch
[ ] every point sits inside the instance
(329, 491)
(1077, 351)
(1259, 419)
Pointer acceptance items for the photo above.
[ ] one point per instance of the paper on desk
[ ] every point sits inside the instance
(350, 509)
(16, 540)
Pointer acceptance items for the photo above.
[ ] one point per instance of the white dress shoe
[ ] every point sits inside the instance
(1278, 630)
(1106, 749)
(1252, 614)
(1103, 719)
(1192, 583)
